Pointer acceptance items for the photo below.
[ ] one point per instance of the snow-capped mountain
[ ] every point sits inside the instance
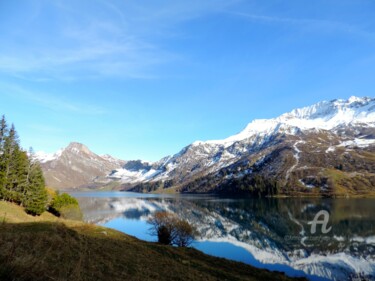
(295, 149)
(316, 148)
(76, 166)
(326, 115)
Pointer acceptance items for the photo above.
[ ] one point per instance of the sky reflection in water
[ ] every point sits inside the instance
(266, 233)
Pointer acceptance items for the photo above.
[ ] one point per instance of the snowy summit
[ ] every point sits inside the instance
(325, 115)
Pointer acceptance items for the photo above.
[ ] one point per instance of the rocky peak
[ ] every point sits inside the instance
(76, 147)
(76, 165)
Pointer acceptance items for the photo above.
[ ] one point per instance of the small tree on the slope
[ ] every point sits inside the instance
(184, 233)
(65, 206)
(61, 200)
(171, 230)
(162, 225)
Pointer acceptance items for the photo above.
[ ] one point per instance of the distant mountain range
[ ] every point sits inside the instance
(327, 149)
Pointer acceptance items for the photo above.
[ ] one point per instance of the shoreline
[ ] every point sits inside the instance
(102, 248)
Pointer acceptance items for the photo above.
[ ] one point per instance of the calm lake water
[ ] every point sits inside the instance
(321, 239)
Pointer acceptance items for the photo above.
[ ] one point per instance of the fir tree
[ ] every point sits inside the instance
(12, 165)
(20, 175)
(35, 199)
(21, 178)
(3, 133)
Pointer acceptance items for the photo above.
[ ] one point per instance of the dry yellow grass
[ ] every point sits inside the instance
(47, 248)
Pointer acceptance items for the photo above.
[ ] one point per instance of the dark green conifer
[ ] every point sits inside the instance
(21, 178)
(35, 199)
(3, 133)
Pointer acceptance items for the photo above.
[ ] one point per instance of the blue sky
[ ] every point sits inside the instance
(142, 79)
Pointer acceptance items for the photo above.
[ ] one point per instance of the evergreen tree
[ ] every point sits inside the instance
(21, 178)
(20, 175)
(35, 199)
(3, 133)
(12, 158)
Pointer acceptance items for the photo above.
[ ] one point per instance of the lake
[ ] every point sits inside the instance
(321, 239)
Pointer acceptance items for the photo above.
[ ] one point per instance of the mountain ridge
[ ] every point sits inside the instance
(337, 130)
(76, 166)
(295, 118)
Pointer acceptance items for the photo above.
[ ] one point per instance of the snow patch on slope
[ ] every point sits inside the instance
(296, 156)
(44, 157)
(358, 142)
(132, 176)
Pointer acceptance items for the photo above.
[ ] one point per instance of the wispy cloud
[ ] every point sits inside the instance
(108, 39)
(49, 101)
(320, 25)
(87, 54)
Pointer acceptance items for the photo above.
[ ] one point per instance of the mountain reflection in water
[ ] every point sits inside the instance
(270, 233)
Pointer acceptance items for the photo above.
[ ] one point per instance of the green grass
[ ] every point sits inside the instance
(347, 185)
(48, 248)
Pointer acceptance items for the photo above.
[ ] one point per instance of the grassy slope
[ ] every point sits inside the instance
(48, 248)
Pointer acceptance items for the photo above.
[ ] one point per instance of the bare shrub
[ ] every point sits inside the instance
(171, 230)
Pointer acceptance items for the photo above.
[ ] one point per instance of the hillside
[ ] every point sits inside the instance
(48, 248)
